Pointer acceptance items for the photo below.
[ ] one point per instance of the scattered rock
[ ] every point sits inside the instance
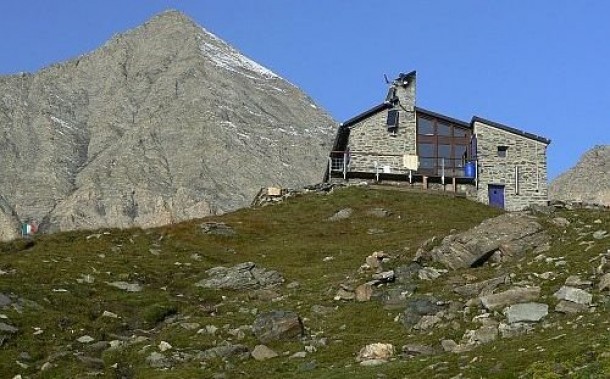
(262, 352)
(575, 295)
(375, 260)
(406, 273)
(377, 352)
(565, 306)
(514, 329)
(484, 287)
(299, 354)
(109, 314)
(242, 276)
(418, 307)
(372, 362)
(278, 325)
(4, 300)
(483, 335)
(321, 310)
(378, 212)
(8, 328)
(164, 346)
(343, 294)
(129, 287)
(413, 350)
(363, 292)
(561, 222)
(427, 322)
(575, 281)
(224, 351)
(158, 360)
(429, 273)
(92, 363)
(526, 312)
(600, 234)
(449, 345)
(396, 296)
(217, 228)
(511, 296)
(342, 214)
(85, 339)
(384, 277)
(190, 325)
(604, 282)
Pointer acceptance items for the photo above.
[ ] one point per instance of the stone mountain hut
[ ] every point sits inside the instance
(398, 142)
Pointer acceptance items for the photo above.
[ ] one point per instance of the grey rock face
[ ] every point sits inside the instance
(511, 296)
(418, 307)
(483, 287)
(510, 234)
(242, 276)
(262, 352)
(277, 325)
(588, 181)
(224, 351)
(4, 300)
(526, 312)
(575, 295)
(163, 123)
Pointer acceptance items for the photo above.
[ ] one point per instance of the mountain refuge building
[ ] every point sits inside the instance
(398, 142)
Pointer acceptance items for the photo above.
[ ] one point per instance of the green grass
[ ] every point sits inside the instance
(294, 238)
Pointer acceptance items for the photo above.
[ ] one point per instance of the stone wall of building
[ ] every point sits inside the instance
(525, 154)
(370, 140)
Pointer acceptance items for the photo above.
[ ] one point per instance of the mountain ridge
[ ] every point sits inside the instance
(163, 123)
(588, 181)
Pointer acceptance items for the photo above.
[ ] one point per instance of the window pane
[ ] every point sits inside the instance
(426, 162)
(444, 151)
(459, 132)
(443, 129)
(425, 126)
(459, 151)
(426, 150)
(392, 120)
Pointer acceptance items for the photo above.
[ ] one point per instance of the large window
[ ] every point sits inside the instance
(443, 146)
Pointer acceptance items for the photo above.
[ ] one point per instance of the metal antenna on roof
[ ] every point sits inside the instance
(387, 81)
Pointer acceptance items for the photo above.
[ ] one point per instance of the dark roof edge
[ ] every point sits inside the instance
(447, 118)
(511, 130)
(366, 114)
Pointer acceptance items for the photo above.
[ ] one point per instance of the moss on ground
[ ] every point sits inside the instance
(63, 279)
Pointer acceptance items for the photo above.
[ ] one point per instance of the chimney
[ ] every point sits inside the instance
(403, 88)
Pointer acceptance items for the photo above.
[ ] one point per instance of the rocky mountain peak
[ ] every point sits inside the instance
(163, 123)
(588, 181)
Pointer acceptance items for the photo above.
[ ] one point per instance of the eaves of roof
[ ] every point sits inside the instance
(442, 116)
(511, 130)
(366, 114)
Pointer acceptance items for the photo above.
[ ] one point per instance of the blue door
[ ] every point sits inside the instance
(496, 195)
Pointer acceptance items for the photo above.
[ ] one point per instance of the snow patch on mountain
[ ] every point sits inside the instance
(223, 55)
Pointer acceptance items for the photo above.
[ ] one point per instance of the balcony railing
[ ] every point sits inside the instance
(339, 163)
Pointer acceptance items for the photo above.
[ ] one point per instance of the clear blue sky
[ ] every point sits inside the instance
(540, 66)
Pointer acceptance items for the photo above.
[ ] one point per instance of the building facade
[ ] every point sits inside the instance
(400, 142)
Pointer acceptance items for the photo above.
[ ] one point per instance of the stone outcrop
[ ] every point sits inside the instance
(242, 276)
(588, 182)
(507, 235)
(161, 124)
(278, 325)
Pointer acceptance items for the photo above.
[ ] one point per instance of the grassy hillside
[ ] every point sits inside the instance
(60, 291)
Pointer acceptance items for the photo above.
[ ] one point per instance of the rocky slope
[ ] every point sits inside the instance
(338, 283)
(163, 123)
(588, 181)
